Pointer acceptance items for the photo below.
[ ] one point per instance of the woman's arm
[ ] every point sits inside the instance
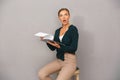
(53, 45)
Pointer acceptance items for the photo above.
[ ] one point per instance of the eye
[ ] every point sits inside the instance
(60, 15)
(66, 14)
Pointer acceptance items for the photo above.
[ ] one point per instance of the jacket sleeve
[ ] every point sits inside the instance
(50, 46)
(74, 44)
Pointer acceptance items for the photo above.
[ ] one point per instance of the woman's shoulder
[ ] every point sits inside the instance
(57, 30)
(73, 27)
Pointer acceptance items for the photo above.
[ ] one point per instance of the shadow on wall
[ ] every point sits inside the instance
(118, 70)
(3, 72)
(4, 77)
(85, 46)
(2, 2)
(116, 3)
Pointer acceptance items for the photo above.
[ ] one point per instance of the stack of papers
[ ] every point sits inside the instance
(45, 36)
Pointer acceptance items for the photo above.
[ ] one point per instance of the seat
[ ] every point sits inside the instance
(76, 74)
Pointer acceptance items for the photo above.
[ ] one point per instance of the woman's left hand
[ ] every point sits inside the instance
(55, 44)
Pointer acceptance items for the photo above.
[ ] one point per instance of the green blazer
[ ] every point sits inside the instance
(70, 41)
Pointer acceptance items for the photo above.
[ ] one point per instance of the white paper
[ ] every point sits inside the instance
(41, 34)
(49, 37)
(44, 35)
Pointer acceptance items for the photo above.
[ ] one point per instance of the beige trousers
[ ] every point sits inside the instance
(66, 68)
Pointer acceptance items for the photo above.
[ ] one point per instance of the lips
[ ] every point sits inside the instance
(64, 20)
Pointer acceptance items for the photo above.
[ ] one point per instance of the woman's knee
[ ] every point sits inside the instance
(42, 75)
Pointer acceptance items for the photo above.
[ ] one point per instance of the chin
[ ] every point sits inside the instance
(64, 23)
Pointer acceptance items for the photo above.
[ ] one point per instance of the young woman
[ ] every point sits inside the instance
(66, 58)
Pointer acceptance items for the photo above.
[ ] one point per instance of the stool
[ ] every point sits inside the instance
(76, 74)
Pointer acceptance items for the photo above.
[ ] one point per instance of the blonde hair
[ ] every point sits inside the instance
(62, 10)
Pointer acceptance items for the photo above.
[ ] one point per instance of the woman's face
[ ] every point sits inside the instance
(64, 17)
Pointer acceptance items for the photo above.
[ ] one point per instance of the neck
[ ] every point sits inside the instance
(66, 26)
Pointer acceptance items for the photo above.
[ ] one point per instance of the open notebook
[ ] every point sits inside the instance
(47, 37)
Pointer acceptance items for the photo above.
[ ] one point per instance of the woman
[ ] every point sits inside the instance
(66, 58)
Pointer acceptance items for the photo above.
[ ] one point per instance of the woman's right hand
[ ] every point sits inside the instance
(55, 44)
(41, 38)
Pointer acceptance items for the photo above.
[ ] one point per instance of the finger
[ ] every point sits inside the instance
(41, 38)
(50, 43)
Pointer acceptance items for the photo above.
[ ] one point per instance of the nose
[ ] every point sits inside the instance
(63, 17)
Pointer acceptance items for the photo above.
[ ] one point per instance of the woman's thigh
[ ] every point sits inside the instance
(69, 67)
(50, 68)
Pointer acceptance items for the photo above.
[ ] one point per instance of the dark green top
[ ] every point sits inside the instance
(70, 41)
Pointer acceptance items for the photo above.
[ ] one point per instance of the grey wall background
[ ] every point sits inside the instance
(22, 54)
